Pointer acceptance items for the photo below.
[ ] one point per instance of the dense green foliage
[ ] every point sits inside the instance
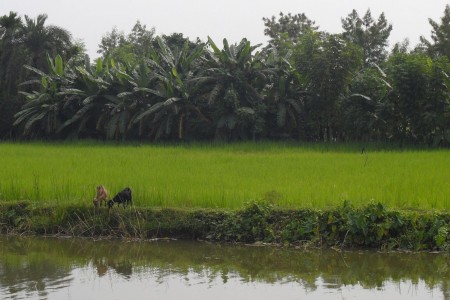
(371, 226)
(226, 175)
(306, 85)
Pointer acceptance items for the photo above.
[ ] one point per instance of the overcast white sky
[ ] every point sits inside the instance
(89, 20)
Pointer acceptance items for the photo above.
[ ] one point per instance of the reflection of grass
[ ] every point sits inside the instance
(226, 176)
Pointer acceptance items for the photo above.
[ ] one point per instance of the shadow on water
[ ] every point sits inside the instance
(38, 265)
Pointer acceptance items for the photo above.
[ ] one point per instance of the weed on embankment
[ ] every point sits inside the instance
(372, 226)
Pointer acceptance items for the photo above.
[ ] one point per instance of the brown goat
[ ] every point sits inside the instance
(102, 195)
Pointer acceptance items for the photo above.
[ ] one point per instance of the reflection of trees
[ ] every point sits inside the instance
(34, 263)
(33, 273)
(445, 287)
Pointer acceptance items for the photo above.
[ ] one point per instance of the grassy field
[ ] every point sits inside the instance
(226, 176)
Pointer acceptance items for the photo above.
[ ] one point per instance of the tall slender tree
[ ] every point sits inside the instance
(287, 30)
(326, 64)
(418, 108)
(440, 36)
(128, 49)
(372, 36)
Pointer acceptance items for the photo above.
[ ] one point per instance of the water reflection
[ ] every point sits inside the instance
(50, 268)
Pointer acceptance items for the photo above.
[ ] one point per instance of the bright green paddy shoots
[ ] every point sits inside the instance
(226, 176)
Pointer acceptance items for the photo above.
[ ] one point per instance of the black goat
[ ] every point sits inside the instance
(123, 197)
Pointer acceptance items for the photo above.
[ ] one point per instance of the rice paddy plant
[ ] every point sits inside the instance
(226, 175)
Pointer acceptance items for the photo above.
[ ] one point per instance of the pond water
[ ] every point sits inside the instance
(72, 268)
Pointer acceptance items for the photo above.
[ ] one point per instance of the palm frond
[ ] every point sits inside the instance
(23, 115)
(35, 70)
(216, 50)
(33, 81)
(366, 98)
(194, 54)
(124, 94)
(147, 90)
(33, 120)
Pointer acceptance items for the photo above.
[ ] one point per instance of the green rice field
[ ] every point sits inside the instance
(226, 175)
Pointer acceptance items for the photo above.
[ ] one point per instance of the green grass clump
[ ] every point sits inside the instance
(226, 175)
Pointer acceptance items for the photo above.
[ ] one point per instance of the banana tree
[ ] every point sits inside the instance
(105, 105)
(232, 82)
(173, 108)
(285, 97)
(121, 104)
(89, 119)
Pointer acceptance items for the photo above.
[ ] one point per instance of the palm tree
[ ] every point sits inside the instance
(28, 43)
(41, 116)
(11, 71)
(41, 40)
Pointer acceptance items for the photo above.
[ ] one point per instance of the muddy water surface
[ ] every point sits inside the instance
(69, 268)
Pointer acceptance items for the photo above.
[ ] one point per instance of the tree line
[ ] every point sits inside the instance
(305, 85)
